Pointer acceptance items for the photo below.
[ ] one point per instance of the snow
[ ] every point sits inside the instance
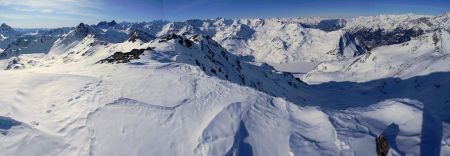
(298, 69)
(2, 38)
(388, 22)
(198, 95)
(101, 108)
(420, 56)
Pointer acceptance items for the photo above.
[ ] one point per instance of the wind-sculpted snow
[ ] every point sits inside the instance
(17, 138)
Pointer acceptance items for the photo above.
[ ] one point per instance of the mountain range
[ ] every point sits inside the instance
(278, 86)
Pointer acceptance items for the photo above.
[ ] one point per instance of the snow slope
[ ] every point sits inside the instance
(161, 105)
(421, 56)
(190, 88)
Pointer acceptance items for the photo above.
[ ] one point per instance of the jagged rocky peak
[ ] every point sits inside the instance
(112, 23)
(107, 24)
(349, 47)
(326, 24)
(82, 30)
(82, 26)
(5, 27)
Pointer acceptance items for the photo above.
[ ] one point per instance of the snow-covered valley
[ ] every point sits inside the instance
(228, 87)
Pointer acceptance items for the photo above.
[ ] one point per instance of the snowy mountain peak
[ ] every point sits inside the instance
(6, 28)
(214, 60)
(82, 26)
(82, 30)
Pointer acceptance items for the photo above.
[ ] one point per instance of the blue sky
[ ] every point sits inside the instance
(58, 13)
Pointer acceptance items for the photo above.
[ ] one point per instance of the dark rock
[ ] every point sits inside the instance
(82, 30)
(188, 43)
(120, 57)
(6, 28)
(104, 24)
(327, 24)
(372, 38)
(14, 63)
(213, 71)
(112, 23)
(346, 40)
(382, 145)
(169, 37)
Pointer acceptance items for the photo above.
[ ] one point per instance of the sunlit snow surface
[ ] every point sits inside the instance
(168, 108)
(175, 101)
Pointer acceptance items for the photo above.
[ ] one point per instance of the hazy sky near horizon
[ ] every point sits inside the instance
(59, 13)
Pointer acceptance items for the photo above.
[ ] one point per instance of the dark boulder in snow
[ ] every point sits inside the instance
(382, 145)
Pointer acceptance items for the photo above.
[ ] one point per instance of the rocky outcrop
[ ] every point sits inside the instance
(121, 57)
(327, 24)
(105, 24)
(372, 38)
(6, 28)
(82, 30)
(350, 47)
(382, 145)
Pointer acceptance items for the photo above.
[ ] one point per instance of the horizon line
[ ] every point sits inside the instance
(233, 18)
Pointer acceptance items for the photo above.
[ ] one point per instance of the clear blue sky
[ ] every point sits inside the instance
(58, 13)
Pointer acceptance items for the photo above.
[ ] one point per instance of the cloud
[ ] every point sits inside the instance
(28, 17)
(67, 7)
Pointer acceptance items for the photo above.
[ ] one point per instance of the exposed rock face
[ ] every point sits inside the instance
(6, 28)
(105, 24)
(349, 46)
(82, 30)
(327, 24)
(14, 64)
(379, 37)
(382, 145)
(120, 57)
(215, 60)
